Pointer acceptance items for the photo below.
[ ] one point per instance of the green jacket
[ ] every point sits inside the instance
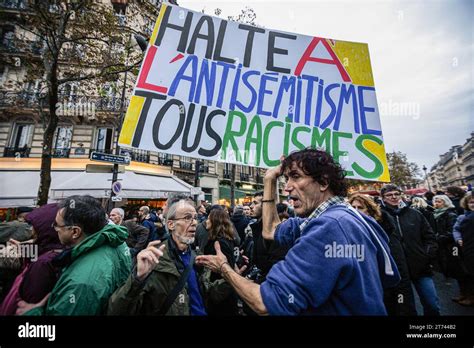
(146, 297)
(98, 266)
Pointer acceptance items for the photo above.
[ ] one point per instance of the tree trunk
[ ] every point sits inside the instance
(52, 123)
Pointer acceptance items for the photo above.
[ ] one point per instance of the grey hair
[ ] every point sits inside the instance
(174, 207)
(419, 202)
(120, 211)
(445, 199)
(146, 209)
(238, 210)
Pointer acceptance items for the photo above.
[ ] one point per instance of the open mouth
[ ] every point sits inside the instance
(296, 201)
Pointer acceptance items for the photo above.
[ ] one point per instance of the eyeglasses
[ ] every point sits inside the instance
(56, 226)
(393, 195)
(187, 218)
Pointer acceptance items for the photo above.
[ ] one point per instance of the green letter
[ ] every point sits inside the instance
(256, 121)
(378, 170)
(294, 136)
(335, 147)
(317, 139)
(230, 134)
(270, 125)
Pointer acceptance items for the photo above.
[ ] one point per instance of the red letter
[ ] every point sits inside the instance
(146, 70)
(307, 57)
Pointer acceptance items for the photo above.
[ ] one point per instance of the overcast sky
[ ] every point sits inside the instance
(422, 58)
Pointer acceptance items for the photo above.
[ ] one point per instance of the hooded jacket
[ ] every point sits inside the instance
(418, 240)
(93, 270)
(315, 278)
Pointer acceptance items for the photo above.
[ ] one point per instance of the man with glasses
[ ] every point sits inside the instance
(95, 263)
(419, 245)
(167, 284)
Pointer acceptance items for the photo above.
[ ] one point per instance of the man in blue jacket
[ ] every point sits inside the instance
(338, 262)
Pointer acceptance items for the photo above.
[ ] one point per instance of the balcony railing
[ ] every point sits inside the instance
(165, 161)
(244, 177)
(185, 165)
(61, 153)
(136, 155)
(17, 46)
(80, 105)
(227, 174)
(107, 151)
(259, 179)
(17, 152)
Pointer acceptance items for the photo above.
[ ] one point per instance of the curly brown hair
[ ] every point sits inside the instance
(372, 208)
(221, 226)
(319, 165)
(465, 201)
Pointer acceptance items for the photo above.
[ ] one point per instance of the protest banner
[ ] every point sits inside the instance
(221, 90)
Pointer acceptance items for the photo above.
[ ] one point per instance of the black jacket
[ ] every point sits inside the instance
(467, 232)
(428, 214)
(392, 296)
(265, 253)
(448, 263)
(240, 222)
(417, 238)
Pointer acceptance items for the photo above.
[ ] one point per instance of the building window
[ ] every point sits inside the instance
(20, 141)
(165, 159)
(62, 141)
(104, 139)
(22, 135)
(185, 163)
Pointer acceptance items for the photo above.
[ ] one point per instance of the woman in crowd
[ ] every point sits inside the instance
(221, 229)
(422, 206)
(40, 274)
(463, 233)
(367, 206)
(445, 218)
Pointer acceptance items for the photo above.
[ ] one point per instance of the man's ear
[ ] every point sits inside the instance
(76, 232)
(170, 225)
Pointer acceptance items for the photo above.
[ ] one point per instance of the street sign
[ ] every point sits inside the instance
(195, 190)
(117, 187)
(116, 199)
(105, 157)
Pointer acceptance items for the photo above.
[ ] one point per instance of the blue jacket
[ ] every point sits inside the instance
(338, 266)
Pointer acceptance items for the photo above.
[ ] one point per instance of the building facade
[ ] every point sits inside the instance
(90, 121)
(455, 167)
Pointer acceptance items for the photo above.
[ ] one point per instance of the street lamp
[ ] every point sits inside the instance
(426, 177)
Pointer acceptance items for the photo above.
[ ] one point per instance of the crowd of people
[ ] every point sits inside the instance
(321, 252)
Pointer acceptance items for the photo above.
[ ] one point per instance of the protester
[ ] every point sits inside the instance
(429, 198)
(462, 234)
(221, 229)
(144, 219)
(310, 280)
(166, 280)
(264, 253)
(445, 217)
(96, 261)
(282, 210)
(426, 210)
(246, 209)
(402, 290)
(419, 245)
(240, 221)
(137, 239)
(18, 229)
(202, 213)
(455, 194)
(40, 273)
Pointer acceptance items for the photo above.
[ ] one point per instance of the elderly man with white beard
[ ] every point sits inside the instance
(165, 280)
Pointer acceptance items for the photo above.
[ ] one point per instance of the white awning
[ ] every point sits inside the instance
(133, 186)
(20, 188)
